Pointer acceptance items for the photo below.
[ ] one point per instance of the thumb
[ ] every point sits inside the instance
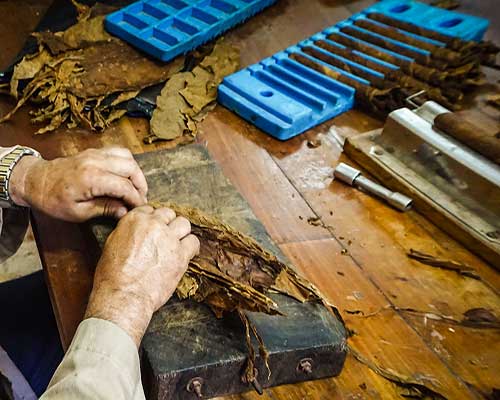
(106, 207)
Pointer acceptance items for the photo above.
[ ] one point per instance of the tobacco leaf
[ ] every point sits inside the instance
(110, 67)
(82, 10)
(85, 32)
(28, 68)
(188, 98)
(168, 120)
(75, 70)
(479, 316)
(234, 273)
(449, 265)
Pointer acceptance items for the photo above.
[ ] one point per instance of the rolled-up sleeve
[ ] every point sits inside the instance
(101, 363)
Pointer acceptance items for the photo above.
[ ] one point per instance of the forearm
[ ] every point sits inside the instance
(19, 183)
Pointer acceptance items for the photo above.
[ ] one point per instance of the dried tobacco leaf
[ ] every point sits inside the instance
(82, 10)
(233, 273)
(188, 96)
(110, 67)
(449, 265)
(86, 32)
(169, 118)
(75, 70)
(28, 68)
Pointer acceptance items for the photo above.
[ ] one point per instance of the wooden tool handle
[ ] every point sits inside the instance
(484, 142)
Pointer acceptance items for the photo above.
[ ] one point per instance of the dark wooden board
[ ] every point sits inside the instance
(185, 340)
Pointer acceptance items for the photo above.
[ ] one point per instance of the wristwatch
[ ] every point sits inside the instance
(7, 164)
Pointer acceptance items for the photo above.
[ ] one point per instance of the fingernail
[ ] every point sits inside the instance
(121, 212)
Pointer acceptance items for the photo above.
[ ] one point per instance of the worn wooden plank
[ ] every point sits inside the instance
(473, 353)
(383, 338)
(275, 202)
(378, 238)
(303, 164)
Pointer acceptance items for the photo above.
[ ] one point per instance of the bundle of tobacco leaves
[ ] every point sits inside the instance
(233, 273)
(188, 96)
(81, 76)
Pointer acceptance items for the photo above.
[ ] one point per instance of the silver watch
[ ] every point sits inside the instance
(7, 164)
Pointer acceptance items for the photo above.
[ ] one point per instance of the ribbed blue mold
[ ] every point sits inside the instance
(168, 28)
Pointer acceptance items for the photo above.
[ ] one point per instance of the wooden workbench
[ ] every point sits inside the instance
(393, 305)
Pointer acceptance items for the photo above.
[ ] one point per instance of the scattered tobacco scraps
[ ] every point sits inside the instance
(417, 386)
(233, 273)
(480, 316)
(188, 96)
(442, 263)
(314, 143)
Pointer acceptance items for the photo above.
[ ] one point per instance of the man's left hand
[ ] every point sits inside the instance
(96, 182)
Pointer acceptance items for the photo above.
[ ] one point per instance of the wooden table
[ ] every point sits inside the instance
(359, 260)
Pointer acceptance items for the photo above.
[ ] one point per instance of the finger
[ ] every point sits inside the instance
(144, 209)
(167, 215)
(180, 227)
(190, 246)
(127, 168)
(117, 151)
(104, 207)
(110, 185)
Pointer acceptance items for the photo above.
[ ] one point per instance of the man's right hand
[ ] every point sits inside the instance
(142, 262)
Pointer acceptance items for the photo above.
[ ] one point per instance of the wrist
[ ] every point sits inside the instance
(18, 182)
(125, 309)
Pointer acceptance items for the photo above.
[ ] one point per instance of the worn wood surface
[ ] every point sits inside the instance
(358, 257)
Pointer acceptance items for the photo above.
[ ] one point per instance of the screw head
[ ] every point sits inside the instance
(305, 366)
(194, 386)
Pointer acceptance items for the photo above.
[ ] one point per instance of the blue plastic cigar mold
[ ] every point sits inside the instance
(466, 27)
(282, 97)
(168, 28)
(285, 98)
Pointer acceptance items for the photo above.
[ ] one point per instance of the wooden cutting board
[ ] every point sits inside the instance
(185, 341)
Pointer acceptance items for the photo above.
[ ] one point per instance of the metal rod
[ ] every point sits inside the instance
(353, 177)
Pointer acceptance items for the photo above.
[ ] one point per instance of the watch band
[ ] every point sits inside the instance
(7, 164)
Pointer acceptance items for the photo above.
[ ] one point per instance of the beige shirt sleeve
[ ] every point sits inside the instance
(101, 363)
(13, 224)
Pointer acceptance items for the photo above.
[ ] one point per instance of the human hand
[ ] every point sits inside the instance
(143, 260)
(95, 182)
